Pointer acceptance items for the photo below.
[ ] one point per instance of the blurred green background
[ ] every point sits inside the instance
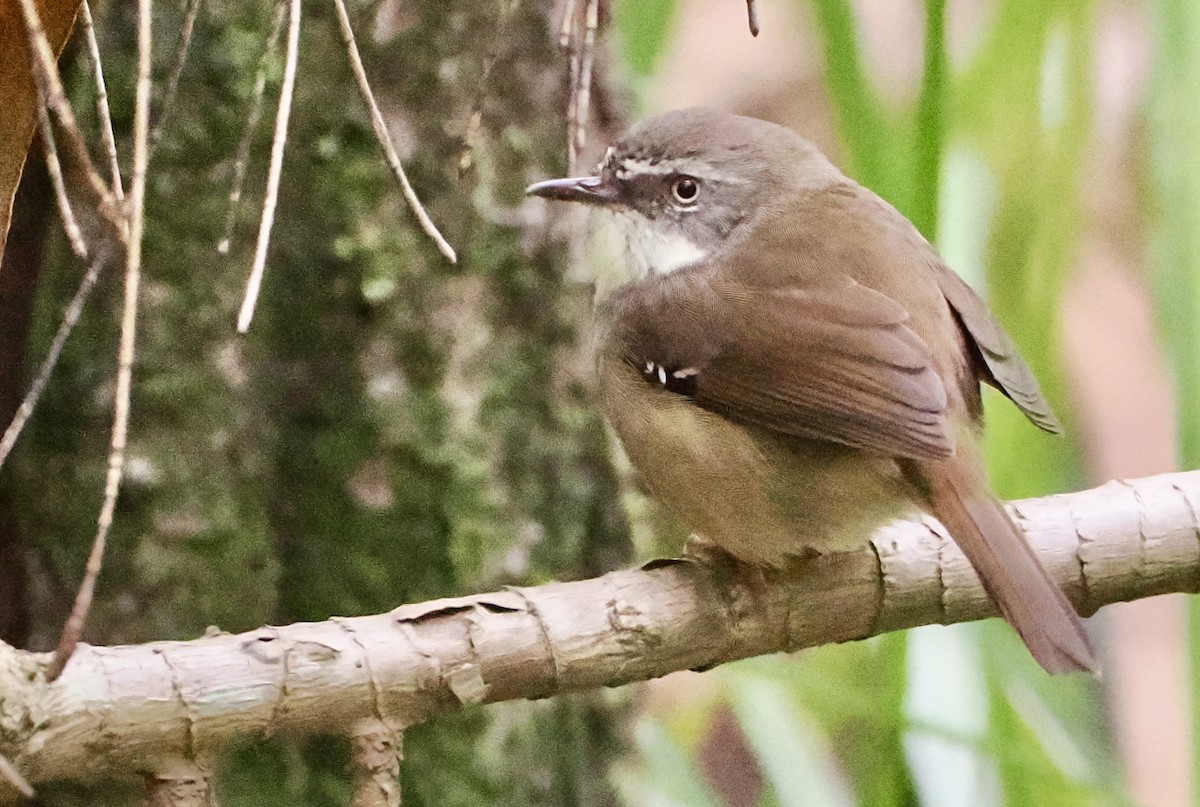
(394, 428)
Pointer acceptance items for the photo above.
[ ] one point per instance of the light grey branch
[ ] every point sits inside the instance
(45, 72)
(103, 113)
(142, 707)
(71, 316)
(73, 628)
(242, 160)
(384, 135)
(54, 171)
(274, 169)
(377, 750)
(181, 784)
(172, 86)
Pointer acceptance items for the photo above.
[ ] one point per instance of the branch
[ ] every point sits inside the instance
(54, 171)
(181, 54)
(133, 228)
(103, 113)
(582, 47)
(282, 114)
(70, 317)
(377, 752)
(242, 160)
(49, 82)
(384, 135)
(146, 707)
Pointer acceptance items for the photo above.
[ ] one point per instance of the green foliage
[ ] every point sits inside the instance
(1175, 171)
(643, 32)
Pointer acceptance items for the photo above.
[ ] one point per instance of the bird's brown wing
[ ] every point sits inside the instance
(834, 361)
(1000, 363)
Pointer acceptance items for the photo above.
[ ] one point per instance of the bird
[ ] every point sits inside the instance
(789, 364)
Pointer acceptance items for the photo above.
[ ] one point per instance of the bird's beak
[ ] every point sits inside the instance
(590, 190)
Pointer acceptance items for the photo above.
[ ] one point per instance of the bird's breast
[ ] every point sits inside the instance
(763, 497)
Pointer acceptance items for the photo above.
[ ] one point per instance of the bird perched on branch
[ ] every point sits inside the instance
(788, 363)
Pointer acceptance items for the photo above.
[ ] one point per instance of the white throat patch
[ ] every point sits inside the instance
(626, 247)
(653, 249)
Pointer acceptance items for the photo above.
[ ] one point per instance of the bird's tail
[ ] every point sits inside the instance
(1030, 600)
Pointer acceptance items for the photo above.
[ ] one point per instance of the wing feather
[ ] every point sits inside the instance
(1002, 365)
(835, 361)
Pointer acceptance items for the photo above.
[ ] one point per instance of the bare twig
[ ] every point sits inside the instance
(584, 100)
(567, 28)
(75, 308)
(242, 160)
(10, 774)
(273, 172)
(569, 39)
(385, 137)
(181, 54)
(70, 317)
(73, 629)
(45, 71)
(582, 46)
(102, 110)
(54, 170)
(752, 17)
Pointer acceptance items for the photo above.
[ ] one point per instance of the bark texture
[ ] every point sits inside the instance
(145, 707)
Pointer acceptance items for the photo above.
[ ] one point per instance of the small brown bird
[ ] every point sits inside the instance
(788, 363)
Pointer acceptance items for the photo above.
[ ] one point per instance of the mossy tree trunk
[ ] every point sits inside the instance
(393, 427)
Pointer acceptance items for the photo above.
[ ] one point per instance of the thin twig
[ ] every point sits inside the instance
(102, 110)
(181, 54)
(273, 172)
(568, 24)
(73, 629)
(569, 38)
(70, 317)
(45, 70)
(54, 170)
(385, 137)
(10, 774)
(752, 17)
(582, 46)
(242, 160)
(583, 103)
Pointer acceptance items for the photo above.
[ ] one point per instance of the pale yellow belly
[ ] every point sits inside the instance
(761, 497)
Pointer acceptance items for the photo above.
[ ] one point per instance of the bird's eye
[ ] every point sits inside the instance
(685, 190)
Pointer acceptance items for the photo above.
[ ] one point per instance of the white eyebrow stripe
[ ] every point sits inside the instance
(634, 167)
